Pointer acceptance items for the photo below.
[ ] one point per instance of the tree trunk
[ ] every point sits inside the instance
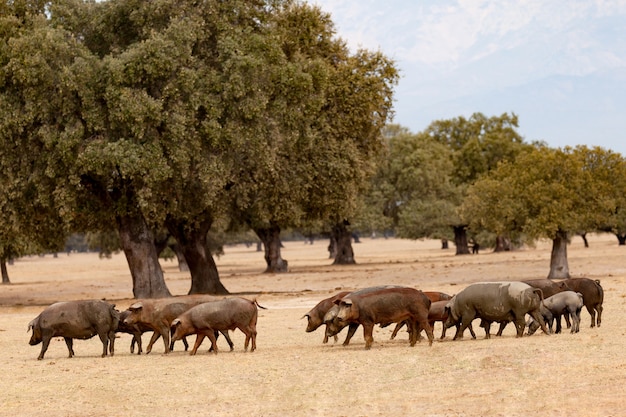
(194, 246)
(621, 238)
(161, 242)
(5, 272)
(460, 240)
(137, 240)
(332, 247)
(559, 267)
(343, 239)
(444, 244)
(584, 236)
(270, 237)
(503, 244)
(180, 257)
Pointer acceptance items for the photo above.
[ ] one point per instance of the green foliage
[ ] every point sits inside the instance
(479, 143)
(423, 181)
(38, 104)
(182, 111)
(106, 243)
(414, 187)
(310, 163)
(548, 191)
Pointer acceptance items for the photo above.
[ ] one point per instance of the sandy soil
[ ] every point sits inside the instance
(292, 372)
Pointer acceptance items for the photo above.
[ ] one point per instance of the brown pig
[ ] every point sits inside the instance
(333, 326)
(76, 320)
(548, 287)
(433, 296)
(390, 305)
(157, 314)
(136, 330)
(223, 315)
(315, 316)
(593, 296)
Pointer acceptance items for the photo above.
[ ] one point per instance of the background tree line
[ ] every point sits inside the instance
(176, 122)
(477, 177)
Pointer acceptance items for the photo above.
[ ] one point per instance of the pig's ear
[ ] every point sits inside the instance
(31, 325)
(176, 323)
(346, 301)
(136, 306)
(307, 315)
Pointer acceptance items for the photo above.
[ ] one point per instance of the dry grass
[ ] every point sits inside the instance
(292, 373)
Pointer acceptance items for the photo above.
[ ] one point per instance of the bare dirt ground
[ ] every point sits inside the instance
(292, 373)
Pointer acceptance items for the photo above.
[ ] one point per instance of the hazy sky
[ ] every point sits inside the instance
(560, 65)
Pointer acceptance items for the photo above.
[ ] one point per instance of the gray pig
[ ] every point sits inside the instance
(495, 302)
(566, 302)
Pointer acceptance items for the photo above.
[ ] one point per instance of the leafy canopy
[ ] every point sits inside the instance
(548, 191)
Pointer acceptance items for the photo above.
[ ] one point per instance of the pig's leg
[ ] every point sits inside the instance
(248, 334)
(199, 339)
(423, 323)
(154, 338)
(211, 336)
(136, 339)
(368, 331)
(165, 334)
(471, 330)
(351, 330)
(465, 321)
(396, 330)
(104, 338)
(69, 342)
(503, 325)
(112, 343)
(44, 347)
(227, 337)
(250, 331)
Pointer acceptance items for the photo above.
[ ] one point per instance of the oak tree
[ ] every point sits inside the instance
(549, 193)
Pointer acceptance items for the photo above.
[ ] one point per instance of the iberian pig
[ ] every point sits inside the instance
(315, 316)
(390, 305)
(495, 302)
(593, 295)
(76, 320)
(223, 315)
(563, 303)
(157, 314)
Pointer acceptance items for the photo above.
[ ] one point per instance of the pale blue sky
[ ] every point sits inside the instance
(560, 65)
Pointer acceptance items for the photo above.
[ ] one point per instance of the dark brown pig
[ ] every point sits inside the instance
(158, 314)
(438, 312)
(390, 305)
(593, 295)
(315, 316)
(548, 287)
(76, 320)
(133, 330)
(223, 315)
(334, 327)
